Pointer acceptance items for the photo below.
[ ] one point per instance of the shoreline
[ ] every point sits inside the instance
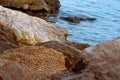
(33, 49)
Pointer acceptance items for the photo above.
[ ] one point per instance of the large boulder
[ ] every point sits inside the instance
(19, 28)
(10, 70)
(47, 5)
(72, 55)
(102, 62)
(40, 63)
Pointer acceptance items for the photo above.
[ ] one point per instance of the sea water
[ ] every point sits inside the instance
(106, 27)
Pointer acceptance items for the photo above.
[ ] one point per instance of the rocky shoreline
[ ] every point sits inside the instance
(33, 49)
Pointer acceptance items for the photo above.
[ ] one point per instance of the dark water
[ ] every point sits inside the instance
(106, 27)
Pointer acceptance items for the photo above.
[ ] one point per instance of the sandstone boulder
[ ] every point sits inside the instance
(19, 28)
(40, 63)
(10, 70)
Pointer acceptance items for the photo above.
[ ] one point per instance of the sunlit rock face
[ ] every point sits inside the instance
(47, 5)
(23, 29)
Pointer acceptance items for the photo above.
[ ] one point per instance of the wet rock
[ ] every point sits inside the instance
(19, 28)
(72, 55)
(10, 70)
(77, 19)
(39, 62)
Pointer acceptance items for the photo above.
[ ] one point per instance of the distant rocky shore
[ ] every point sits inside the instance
(33, 49)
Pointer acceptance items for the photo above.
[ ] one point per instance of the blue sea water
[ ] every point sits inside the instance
(106, 27)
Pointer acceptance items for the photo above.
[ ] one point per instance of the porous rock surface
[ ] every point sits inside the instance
(72, 55)
(38, 62)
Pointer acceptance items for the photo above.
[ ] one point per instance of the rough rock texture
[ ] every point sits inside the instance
(20, 28)
(71, 54)
(47, 5)
(10, 70)
(40, 63)
(103, 62)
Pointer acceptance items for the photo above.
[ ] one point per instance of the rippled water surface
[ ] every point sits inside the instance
(106, 27)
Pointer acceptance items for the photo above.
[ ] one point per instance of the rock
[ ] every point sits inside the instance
(19, 28)
(6, 45)
(39, 8)
(77, 19)
(39, 62)
(10, 70)
(102, 60)
(71, 54)
(46, 5)
(80, 46)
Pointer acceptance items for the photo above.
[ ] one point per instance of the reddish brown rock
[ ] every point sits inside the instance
(10, 70)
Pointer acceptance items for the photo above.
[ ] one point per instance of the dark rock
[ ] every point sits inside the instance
(39, 8)
(80, 46)
(77, 19)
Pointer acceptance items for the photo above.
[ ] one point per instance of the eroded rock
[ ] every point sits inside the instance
(19, 28)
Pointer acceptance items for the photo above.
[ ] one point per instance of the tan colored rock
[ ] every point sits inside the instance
(40, 63)
(10, 70)
(71, 54)
(19, 28)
